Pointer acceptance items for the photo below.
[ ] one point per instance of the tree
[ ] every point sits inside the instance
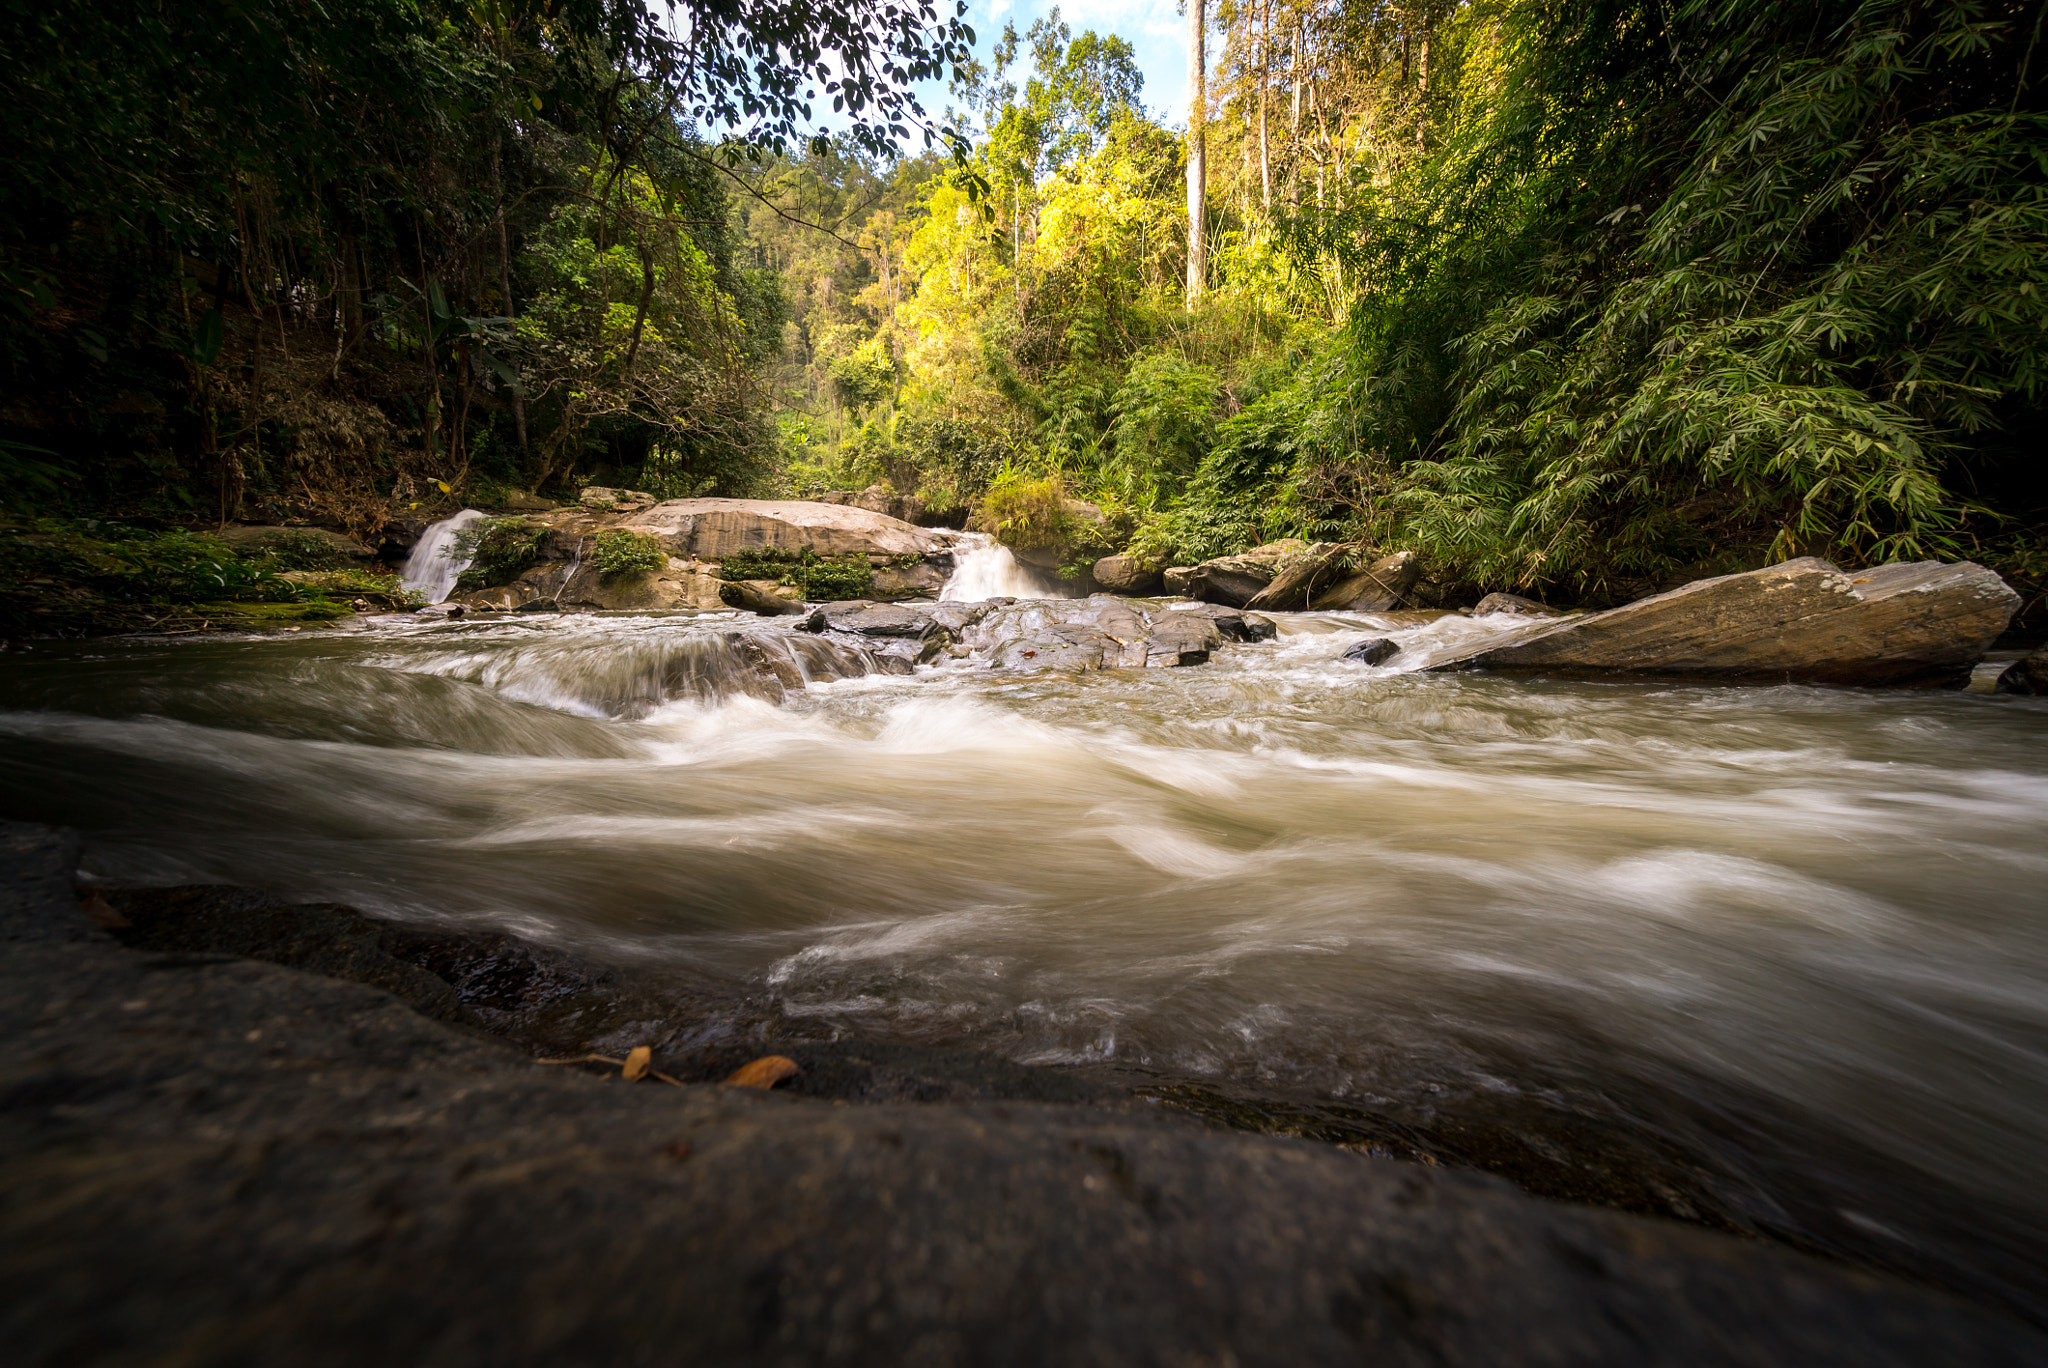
(1198, 169)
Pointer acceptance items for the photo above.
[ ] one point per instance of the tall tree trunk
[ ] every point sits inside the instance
(1265, 85)
(505, 287)
(1198, 168)
(1298, 77)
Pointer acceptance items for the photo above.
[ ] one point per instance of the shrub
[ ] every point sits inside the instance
(822, 579)
(498, 550)
(620, 551)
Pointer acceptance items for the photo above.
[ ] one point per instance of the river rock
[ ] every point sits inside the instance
(1919, 622)
(1233, 624)
(765, 597)
(712, 529)
(1511, 603)
(1373, 650)
(1122, 574)
(1383, 585)
(1178, 579)
(578, 586)
(881, 619)
(907, 581)
(1236, 580)
(210, 1160)
(2026, 676)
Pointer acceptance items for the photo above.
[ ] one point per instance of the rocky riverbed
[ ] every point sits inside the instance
(212, 1159)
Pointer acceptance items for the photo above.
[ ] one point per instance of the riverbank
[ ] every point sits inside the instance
(221, 1160)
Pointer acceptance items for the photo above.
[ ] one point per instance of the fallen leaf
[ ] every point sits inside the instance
(639, 1060)
(101, 913)
(764, 1072)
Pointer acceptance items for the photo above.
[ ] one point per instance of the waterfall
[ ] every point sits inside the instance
(434, 562)
(983, 568)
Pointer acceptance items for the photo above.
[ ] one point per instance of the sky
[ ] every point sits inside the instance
(1153, 28)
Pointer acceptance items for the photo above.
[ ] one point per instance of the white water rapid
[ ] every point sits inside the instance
(983, 568)
(434, 564)
(1793, 939)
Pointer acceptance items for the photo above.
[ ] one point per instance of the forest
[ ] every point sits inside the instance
(1573, 299)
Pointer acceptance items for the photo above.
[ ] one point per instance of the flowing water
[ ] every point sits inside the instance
(435, 562)
(1796, 937)
(985, 569)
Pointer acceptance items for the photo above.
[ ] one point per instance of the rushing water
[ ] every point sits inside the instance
(1801, 932)
(985, 569)
(435, 562)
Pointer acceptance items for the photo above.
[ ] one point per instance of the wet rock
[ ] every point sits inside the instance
(1373, 650)
(712, 529)
(539, 605)
(1105, 632)
(2027, 676)
(1511, 603)
(1178, 580)
(882, 619)
(1921, 622)
(765, 597)
(1235, 625)
(1385, 584)
(1122, 574)
(188, 1136)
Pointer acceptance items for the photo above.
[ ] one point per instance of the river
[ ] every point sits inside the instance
(1788, 946)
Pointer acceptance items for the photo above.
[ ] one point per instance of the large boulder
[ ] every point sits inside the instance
(1920, 622)
(1383, 585)
(1103, 632)
(907, 581)
(1236, 580)
(1121, 574)
(712, 529)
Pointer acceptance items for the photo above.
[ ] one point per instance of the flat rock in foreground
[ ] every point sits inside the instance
(209, 1160)
(1918, 622)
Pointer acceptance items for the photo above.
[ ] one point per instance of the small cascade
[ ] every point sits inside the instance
(627, 671)
(434, 563)
(983, 568)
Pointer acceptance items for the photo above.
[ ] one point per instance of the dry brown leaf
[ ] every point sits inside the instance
(764, 1072)
(639, 1060)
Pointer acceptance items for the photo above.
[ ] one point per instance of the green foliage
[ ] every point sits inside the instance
(823, 579)
(620, 551)
(296, 548)
(1026, 512)
(1165, 421)
(82, 576)
(499, 550)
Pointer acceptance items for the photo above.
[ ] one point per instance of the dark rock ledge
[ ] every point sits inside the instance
(213, 1160)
